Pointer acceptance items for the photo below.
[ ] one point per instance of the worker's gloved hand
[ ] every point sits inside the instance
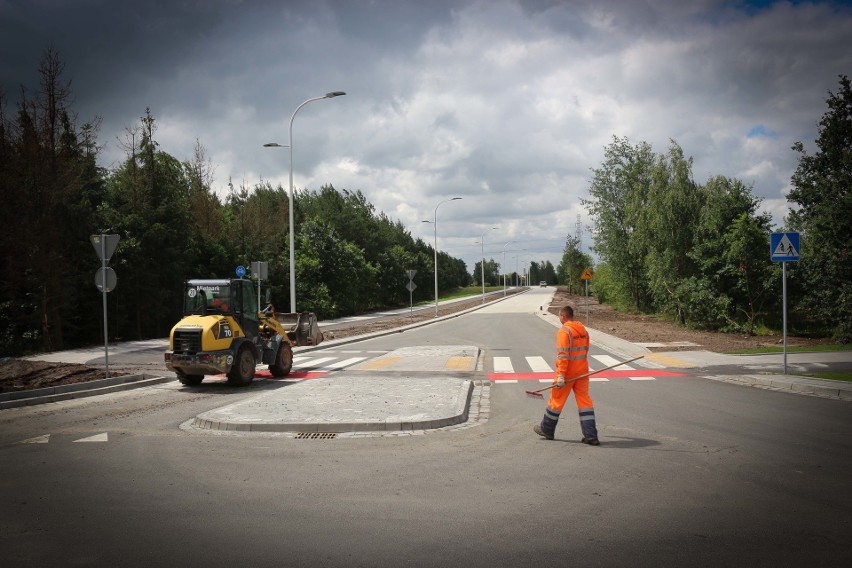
(560, 381)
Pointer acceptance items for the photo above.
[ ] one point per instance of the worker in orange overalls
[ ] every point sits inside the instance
(572, 351)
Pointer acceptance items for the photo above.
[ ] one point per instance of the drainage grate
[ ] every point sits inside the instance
(316, 435)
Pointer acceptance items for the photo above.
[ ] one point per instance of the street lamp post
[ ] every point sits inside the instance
(503, 266)
(482, 266)
(435, 226)
(517, 279)
(330, 95)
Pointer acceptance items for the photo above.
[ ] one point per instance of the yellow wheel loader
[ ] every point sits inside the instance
(222, 331)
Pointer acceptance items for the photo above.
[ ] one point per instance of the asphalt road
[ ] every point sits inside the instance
(691, 472)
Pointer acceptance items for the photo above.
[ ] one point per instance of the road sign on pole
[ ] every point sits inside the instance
(259, 270)
(587, 275)
(411, 286)
(784, 248)
(105, 281)
(104, 245)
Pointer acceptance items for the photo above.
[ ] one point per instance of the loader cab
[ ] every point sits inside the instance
(235, 298)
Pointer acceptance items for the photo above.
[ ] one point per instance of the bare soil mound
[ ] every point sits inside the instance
(20, 374)
(648, 329)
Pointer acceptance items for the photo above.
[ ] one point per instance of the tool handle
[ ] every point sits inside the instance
(590, 373)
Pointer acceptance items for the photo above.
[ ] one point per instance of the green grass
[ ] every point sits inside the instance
(833, 375)
(791, 349)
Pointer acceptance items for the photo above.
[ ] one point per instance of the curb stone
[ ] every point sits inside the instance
(79, 390)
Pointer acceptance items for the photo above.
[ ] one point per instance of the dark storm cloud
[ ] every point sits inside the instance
(508, 104)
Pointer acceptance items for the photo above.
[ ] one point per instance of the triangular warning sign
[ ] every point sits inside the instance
(587, 275)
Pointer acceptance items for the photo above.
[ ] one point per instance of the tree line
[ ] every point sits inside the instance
(172, 227)
(699, 253)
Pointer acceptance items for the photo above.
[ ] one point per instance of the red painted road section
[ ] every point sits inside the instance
(602, 375)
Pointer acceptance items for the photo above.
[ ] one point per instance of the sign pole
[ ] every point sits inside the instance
(587, 275)
(411, 287)
(104, 294)
(784, 309)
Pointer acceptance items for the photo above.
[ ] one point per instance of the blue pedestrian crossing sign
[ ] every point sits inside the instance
(784, 247)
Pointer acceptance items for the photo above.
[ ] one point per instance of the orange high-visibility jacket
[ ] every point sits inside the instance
(572, 350)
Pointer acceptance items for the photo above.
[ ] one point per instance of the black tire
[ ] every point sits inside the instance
(283, 361)
(242, 372)
(189, 380)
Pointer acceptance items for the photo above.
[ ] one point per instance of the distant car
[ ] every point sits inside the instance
(543, 284)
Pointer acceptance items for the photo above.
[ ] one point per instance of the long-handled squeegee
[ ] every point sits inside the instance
(537, 393)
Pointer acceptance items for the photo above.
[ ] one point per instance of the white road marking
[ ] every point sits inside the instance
(539, 365)
(96, 438)
(344, 363)
(37, 440)
(314, 362)
(503, 365)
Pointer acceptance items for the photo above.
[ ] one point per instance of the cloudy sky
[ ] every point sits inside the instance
(507, 104)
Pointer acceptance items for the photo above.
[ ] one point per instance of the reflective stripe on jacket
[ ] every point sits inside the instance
(572, 350)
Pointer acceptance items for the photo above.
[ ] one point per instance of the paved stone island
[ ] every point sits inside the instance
(349, 402)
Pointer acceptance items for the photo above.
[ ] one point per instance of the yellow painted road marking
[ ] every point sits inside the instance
(459, 363)
(667, 360)
(380, 363)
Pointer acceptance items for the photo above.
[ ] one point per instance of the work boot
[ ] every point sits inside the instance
(547, 427)
(588, 426)
(537, 429)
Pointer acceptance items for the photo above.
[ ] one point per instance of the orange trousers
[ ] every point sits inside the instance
(559, 396)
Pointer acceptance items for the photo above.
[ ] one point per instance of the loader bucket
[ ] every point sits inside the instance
(302, 328)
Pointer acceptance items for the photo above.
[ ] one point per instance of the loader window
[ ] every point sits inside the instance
(219, 302)
(216, 299)
(194, 300)
(249, 304)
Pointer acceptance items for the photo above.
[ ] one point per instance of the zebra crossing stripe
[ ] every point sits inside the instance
(312, 363)
(539, 365)
(503, 365)
(606, 360)
(344, 363)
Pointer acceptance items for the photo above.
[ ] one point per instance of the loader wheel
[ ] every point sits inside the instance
(189, 380)
(283, 361)
(242, 373)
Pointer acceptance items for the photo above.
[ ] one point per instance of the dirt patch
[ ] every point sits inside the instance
(647, 329)
(20, 374)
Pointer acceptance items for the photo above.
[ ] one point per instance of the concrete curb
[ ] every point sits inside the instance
(396, 423)
(800, 385)
(79, 390)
